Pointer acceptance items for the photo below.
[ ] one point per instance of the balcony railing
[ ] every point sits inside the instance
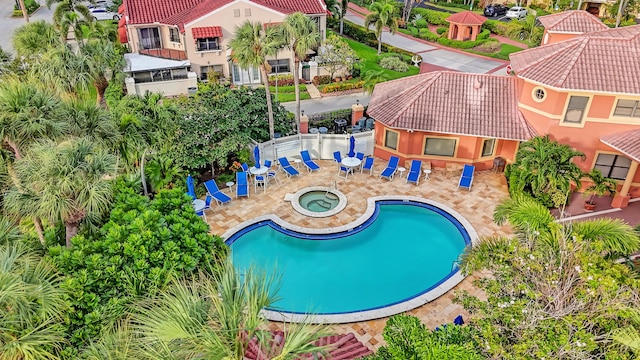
(170, 54)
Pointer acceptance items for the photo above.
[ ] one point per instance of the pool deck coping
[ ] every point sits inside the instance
(452, 280)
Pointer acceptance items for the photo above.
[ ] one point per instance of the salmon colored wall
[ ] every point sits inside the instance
(601, 106)
(468, 149)
(553, 103)
(556, 37)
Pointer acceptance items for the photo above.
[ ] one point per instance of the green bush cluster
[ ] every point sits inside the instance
(284, 80)
(483, 37)
(342, 86)
(441, 30)
(497, 27)
(31, 6)
(321, 80)
(402, 57)
(393, 63)
(432, 16)
(421, 23)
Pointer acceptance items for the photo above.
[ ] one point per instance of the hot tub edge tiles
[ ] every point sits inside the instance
(386, 311)
(371, 208)
(342, 202)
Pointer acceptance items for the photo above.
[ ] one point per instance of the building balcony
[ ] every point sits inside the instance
(170, 54)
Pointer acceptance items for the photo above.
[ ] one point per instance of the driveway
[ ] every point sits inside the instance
(435, 55)
(10, 24)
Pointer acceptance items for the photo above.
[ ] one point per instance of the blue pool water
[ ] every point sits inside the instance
(403, 251)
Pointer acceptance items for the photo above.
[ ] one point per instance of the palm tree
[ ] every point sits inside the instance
(216, 317)
(69, 182)
(251, 46)
(64, 21)
(90, 121)
(32, 304)
(35, 38)
(340, 7)
(28, 114)
(629, 336)
(25, 15)
(371, 78)
(300, 34)
(95, 64)
(382, 14)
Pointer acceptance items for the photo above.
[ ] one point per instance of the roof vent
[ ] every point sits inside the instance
(477, 84)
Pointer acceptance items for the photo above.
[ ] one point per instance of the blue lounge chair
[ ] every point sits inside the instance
(368, 165)
(306, 159)
(287, 168)
(391, 168)
(466, 179)
(242, 184)
(414, 172)
(214, 192)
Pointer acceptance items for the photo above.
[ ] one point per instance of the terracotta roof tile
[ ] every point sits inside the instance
(572, 21)
(206, 32)
(338, 347)
(602, 61)
(180, 12)
(467, 18)
(452, 103)
(627, 142)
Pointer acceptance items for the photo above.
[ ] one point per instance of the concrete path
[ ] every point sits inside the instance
(436, 55)
(10, 24)
(328, 103)
(313, 91)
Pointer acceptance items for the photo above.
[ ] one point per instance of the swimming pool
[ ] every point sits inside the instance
(400, 255)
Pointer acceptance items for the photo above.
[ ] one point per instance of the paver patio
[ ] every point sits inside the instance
(476, 206)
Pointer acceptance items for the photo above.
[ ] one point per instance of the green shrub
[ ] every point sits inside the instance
(394, 63)
(31, 6)
(421, 23)
(484, 34)
(364, 36)
(321, 80)
(497, 27)
(414, 31)
(344, 86)
(425, 34)
(284, 80)
(463, 44)
(432, 16)
(441, 30)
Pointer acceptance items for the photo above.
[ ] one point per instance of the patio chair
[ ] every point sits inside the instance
(414, 172)
(367, 165)
(341, 168)
(391, 168)
(213, 192)
(242, 184)
(306, 159)
(287, 168)
(271, 174)
(360, 156)
(466, 179)
(260, 180)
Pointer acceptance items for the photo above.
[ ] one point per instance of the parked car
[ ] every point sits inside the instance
(517, 12)
(495, 10)
(101, 13)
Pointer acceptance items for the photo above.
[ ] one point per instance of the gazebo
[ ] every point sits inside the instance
(465, 25)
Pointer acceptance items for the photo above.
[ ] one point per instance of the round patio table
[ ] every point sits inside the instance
(198, 207)
(350, 163)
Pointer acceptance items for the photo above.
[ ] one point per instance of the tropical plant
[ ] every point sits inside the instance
(162, 171)
(600, 185)
(526, 30)
(629, 337)
(371, 78)
(35, 38)
(32, 304)
(70, 14)
(143, 245)
(551, 293)
(90, 121)
(300, 34)
(251, 46)
(216, 317)
(407, 338)
(544, 168)
(382, 13)
(336, 55)
(342, 6)
(67, 182)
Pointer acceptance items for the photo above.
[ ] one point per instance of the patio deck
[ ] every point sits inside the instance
(476, 206)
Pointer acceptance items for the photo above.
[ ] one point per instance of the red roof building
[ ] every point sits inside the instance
(465, 25)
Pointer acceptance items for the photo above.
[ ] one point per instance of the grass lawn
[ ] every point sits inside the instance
(369, 61)
(287, 93)
(503, 54)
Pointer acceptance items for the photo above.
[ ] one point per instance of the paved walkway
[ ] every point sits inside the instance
(433, 54)
(10, 24)
(313, 91)
(328, 103)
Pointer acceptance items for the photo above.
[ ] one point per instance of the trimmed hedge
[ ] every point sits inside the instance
(283, 80)
(393, 63)
(421, 23)
(441, 30)
(402, 57)
(342, 87)
(462, 44)
(425, 34)
(432, 16)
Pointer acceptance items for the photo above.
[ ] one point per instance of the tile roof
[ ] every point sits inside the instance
(466, 18)
(181, 12)
(572, 21)
(605, 61)
(452, 103)
(338, 347)
(627, 142)
(206, 32)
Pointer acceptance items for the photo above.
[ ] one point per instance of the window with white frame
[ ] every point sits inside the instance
(613, 166)
(279, 66)
(210, 72)
(630, 108)
(575, 109)
(488, 147)
(206, 44)
(440, 146)
(391, 139)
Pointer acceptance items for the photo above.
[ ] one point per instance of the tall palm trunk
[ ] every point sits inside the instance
(296, 85)
(380, 43)
(101, 85)
(341, 23)
(24, 11)
(71, 229)
(37, 223)
(14, 147)
(265, 76)
(621, 6)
